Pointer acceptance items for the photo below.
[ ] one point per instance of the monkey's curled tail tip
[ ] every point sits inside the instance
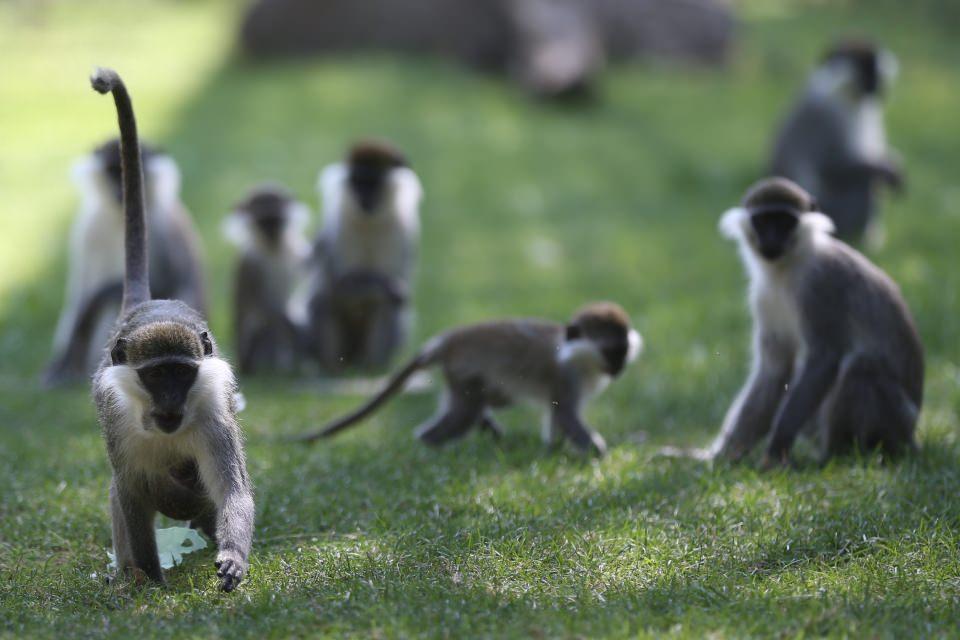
(103, 80)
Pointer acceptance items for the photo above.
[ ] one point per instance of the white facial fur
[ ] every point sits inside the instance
(735, 224)
(583, 356)
(634, 345)
(141, 443)
(401, 198)
(241, 231)
(161, 174)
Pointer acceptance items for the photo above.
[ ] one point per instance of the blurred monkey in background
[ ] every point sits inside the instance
(833, 143)
(95, 276)
(364, 257)
(268, 227)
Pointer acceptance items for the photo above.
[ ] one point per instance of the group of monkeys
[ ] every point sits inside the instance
(836, 352)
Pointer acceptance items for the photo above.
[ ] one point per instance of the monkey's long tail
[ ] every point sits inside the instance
(136, 285)
(394, 386)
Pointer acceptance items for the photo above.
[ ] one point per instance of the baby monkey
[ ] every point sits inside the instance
(491, 365)
(165, 402)
(268, 227)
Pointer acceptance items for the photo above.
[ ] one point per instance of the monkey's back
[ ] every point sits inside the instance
(515, 357)
(848, 288)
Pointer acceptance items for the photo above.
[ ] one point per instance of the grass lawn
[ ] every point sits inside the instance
(530, 210)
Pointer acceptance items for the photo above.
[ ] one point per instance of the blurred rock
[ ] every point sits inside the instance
(551, 47)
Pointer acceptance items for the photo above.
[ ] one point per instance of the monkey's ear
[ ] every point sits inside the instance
(118, 354)
(573, 332)
(207, 344)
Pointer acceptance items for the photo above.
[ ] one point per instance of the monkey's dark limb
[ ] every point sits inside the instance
(465, 408)
(139, 536)
(751, 416)
(72, 363)
(393, 387)
(137, 283)
(802, 402)
(489, 424)
(868, 410)
(565, 415)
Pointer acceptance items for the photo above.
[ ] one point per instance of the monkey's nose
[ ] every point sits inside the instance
(168, 422)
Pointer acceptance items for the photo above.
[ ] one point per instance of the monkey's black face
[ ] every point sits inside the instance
(168, 382)
(271, 226)
(774, 232)
(109, 154)
(611, 341)
(367, 181)
(615, 356)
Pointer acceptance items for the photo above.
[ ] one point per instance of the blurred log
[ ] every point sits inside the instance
(550, 46)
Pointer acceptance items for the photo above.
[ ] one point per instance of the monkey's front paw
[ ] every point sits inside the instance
(230, 569)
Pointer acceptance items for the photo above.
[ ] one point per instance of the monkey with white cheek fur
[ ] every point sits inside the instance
(166, 405)
(268, 226)
(95, 276)
(835, 348)
(494, 364)
(834, 144)
(364, 257)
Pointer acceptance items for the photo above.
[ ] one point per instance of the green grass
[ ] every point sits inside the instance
(530, 209)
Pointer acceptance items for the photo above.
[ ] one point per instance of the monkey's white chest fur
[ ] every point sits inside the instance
(775, 309)
(379, 244)
(143, 449)
(868, 134)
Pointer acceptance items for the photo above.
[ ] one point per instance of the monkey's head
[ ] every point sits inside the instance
(770, 218)
(369, 165)
(110, 163)
(166, 358)
(264, 216)
(859, 67)
(606, 327)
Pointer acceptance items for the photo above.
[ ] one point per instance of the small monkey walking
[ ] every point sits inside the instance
(494, 364)
(165, 402)
(835, 348)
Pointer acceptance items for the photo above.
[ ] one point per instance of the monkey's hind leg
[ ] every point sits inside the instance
(462, 409)
(867, 410)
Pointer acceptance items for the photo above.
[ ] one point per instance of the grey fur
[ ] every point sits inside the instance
(267, 338)
(364, 257)
(835, 347)
(175, 272)
(833, 143)
(492, 365)
(185, 461)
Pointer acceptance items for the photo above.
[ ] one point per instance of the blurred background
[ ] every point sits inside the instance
(533, 204)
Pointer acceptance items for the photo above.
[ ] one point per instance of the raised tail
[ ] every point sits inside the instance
(394, 386)
(136, 284)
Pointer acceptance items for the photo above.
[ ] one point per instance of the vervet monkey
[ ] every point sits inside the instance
(166, 404)
(834, 144)
(370, 234)
(268, 226)
(96, 255)
(492, 365)
(835, 348)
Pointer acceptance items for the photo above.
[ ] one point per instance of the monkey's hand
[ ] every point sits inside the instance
(891, 172)
(231, 567)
